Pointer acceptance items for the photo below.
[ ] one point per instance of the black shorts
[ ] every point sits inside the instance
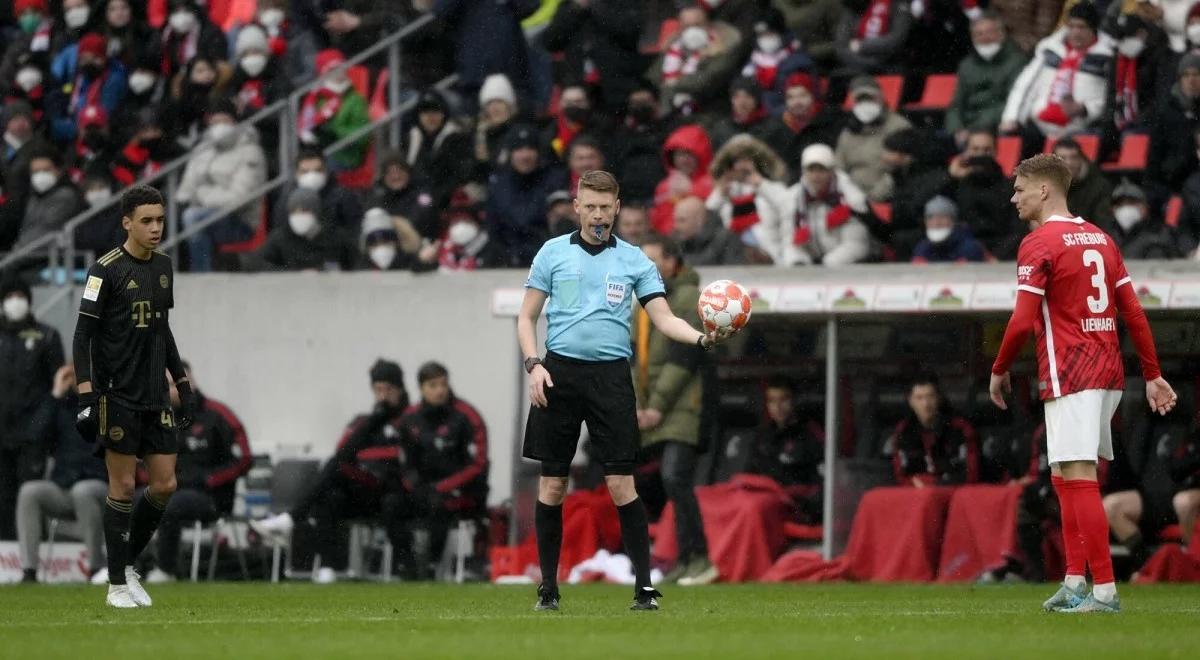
(598, 393)
(136, 432)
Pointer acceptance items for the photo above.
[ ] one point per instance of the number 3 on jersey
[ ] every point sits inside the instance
(1097, 303)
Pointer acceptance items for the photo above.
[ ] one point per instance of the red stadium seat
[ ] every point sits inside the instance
(1174, 210)
(254, 242)
(377, 105)
(892, 87)
(883, 211)
(1088, 144)
(1135, 149)
(937, 94)
(1008, 153)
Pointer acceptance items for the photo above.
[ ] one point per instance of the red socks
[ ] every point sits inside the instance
(1091, 525)
(1073, 543)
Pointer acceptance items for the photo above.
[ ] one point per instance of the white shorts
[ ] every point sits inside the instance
(1079, 425)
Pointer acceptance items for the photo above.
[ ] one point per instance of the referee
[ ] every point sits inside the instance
(590, 278)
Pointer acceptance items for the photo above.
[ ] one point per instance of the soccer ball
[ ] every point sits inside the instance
(724, 307)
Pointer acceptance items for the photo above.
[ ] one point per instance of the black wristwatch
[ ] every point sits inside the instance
(702, 345)
(530, 363)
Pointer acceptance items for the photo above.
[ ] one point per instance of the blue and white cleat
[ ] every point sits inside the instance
(1065, 598)
(1090, 604)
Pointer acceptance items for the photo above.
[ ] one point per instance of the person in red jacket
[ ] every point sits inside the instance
(687, 154)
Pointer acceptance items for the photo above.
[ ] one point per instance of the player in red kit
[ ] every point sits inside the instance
(1071, 283)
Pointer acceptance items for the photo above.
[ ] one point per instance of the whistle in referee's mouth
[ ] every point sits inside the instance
(598, 230)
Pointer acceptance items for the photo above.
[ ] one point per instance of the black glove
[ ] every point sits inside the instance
(187, 405)
(87, 420)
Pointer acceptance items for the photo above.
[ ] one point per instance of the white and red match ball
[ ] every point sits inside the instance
(724, 307)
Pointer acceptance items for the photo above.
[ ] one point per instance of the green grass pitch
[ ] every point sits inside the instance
(235, 621)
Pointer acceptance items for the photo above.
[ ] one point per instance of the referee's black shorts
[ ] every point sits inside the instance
(598, 393)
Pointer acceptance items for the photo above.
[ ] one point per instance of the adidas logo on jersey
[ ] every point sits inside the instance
(132, 285)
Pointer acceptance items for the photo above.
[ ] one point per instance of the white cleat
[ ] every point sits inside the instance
(119, 597)
(324, 575)
(133, 581)
(278, 527)
(159, 576)
(101, 577)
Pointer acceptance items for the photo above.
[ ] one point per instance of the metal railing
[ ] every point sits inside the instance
(59, 247)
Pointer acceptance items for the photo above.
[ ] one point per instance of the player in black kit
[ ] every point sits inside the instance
(123, 350)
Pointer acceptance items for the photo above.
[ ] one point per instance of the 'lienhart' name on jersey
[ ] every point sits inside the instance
(1098, 325)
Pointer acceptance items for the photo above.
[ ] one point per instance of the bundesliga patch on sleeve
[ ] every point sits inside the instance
(92, 290)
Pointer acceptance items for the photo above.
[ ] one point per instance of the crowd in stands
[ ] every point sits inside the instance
(810, 131)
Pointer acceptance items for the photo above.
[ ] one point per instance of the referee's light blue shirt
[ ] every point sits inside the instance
(591, 290)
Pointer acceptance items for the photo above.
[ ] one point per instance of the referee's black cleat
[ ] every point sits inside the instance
(645, 599)
(547, 600)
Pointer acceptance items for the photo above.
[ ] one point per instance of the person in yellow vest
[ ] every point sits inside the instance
(668, 382)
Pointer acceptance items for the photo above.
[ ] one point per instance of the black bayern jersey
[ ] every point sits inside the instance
(130, 297)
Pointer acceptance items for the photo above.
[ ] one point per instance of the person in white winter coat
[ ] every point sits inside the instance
(824, 223)
(227, 167)
(1064, 88)
(749, 196)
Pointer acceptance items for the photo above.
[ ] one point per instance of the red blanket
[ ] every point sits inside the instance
(981, 530)
(1172, 563)
(743, 522)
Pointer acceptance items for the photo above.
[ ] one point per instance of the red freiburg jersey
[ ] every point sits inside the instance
(1076, 268)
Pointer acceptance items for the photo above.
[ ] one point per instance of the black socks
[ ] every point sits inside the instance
(146, 514)
(116, 537)
(635, 532)
(549, 525)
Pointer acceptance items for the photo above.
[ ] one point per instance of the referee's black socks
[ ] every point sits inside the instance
(116, 537)
(549, 524)
(635, 532)
(147, 513)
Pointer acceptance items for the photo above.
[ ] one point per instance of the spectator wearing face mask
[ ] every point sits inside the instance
(750, 196)
(599, 42)
(805, 120)
(224, 171)
(746, 114)
(575, 118)
(982, 192)
(94, 146)
(871, 35)
(202, 82)
(75, 20)
(30, 354)
(19, 144)
(916, 166)
(404, 197)
(1140, 233)
(290, 43)
(467, 245)
(339, 207)
(381, 249)
(1133, 93)
(687, 154)
(985, 76)
(189, 33)
(773, 45)
(32, 43)
(814, 23)
(859, 150)
(946, 239)
(333, 111)
(52, 200)
(306, 241)
(825, 222)
(257, 82)
(438, 146)
(88, 77)
(30, 84)
(146, 90)
(699, 63)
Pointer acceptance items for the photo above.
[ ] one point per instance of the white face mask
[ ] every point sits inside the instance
(222, 134)
(867, 111)
(311, 180)
(382, 255)
(182, 21)
(77, 17)
(28, 78)
(1193, 33)
(1127, 216)
(337, 85)
(770, 43)
(97, 196)
(254, 64)
(141, 82)
(303, 223)
(16, 308)
(938, 234)
(43, 181)
(272, 18)
(1131, 47)
(988, 51)
(694, 38)
(461, 233)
